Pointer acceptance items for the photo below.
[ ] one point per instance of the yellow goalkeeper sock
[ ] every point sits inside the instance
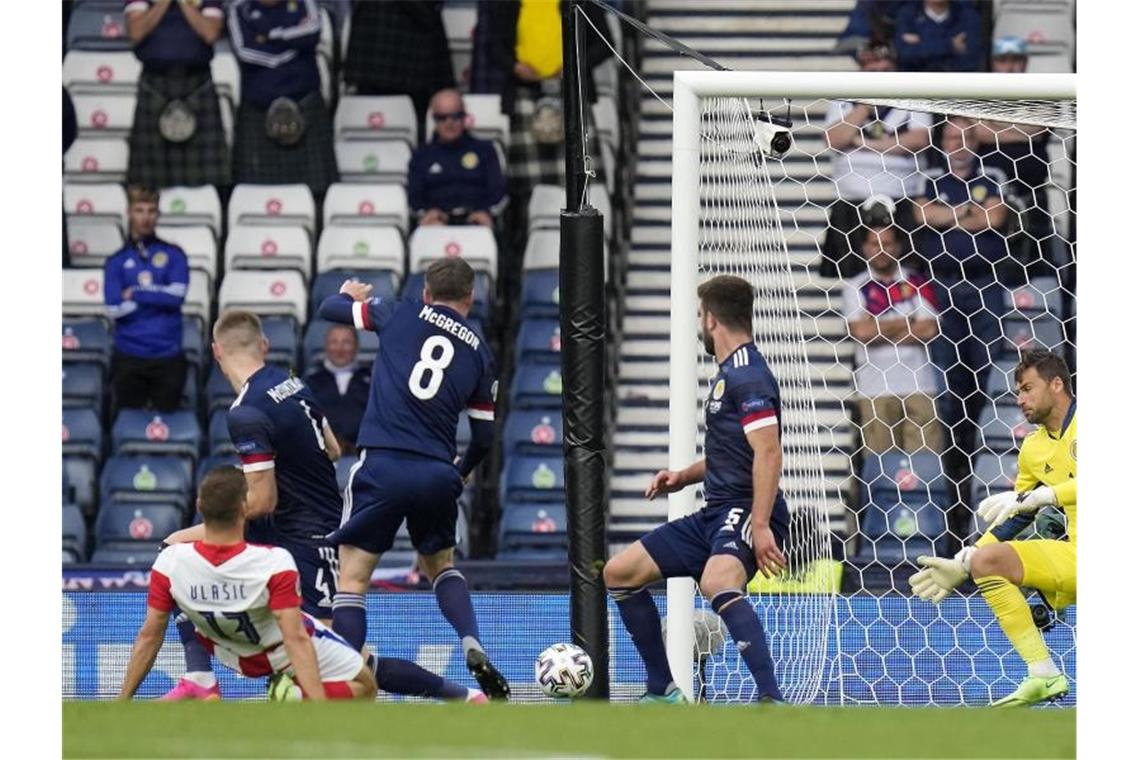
(1013, 615)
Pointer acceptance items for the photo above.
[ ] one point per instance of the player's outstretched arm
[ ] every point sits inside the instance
(145, 650)
(668, 481)
(301, 653)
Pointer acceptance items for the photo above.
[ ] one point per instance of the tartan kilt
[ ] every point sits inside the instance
(311, 161)
(530, 162)
(203, 159)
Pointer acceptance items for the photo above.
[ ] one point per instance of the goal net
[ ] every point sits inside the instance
(916, 237)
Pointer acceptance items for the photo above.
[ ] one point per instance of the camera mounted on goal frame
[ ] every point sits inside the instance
(771, 134)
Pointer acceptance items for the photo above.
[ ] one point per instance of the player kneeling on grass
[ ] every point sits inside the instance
(1046, 476)
(245, 603)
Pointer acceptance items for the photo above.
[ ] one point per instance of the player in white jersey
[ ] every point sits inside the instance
(245, 603)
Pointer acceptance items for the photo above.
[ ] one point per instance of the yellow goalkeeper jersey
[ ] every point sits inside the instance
(1051, 459)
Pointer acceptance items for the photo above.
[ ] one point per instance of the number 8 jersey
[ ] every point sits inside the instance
(432, 365)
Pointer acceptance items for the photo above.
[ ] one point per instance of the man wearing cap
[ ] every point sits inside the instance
(876, 151)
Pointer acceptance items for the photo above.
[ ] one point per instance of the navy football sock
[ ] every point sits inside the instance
(455, 603)
(349, 619)
(639, 613)
(397, 676)
(197, 658)
(748, 633)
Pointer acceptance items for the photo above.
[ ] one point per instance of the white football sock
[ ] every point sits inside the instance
(1043, 669)
(205, 679)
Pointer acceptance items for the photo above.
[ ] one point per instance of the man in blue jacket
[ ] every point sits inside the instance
(144, 286)
(456, 178)
(938, 35)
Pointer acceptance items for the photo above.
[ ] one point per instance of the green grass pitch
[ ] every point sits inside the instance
(141, 729)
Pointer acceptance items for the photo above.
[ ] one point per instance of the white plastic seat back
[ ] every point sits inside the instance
(366, 203)
(359, 247)
(197, 242)
(106, 200)
(269, 291)
(96, 70)
(83, 293)
(97, 159)
(369, 117)
(181, 206)
(269, 247)
(273, 205)
(474, 243)
(373, 160)
(108, 113)
(91, 240)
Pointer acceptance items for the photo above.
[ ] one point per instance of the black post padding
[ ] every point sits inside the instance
(572, 106)
(583, 320)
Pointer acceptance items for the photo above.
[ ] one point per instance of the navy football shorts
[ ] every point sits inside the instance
(386, 488)
(317, 566)
(682, 547)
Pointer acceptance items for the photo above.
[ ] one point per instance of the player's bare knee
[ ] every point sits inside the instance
(993, 560)
(719, 576)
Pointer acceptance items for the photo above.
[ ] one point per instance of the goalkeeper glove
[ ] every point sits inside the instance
(940, 576)
(1000, 507)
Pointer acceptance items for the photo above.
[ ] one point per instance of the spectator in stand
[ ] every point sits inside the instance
(399, 47)
(892, 313)
(869, 20)
(1017, 156)
(456, 178)
(876, 154)
(341, 385)
(939, 35)
(283, 131)
(144, 285)
(177, 136)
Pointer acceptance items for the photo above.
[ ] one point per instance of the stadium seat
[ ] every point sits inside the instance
(485, 119)
(83, 386)
(533, 479)
(606, 78)
(283, 343)
(219, 434)
(1001, 388)
(540, 294)
(105, 201)
(199, 301)
(533, 432)
(459, 26)
(104, 114)
(314, 345)
(265, 292)
(269, 247)
(361, 248)
(97, 26)
(90, 240)
(383, 284)
(536, 386)
(539, 342)
(227, 76)
(138, 554)
(350, 203)
(181, 206)
(474, 243)
(414, 287)
(193, 347)
(533, 532)
(1049, 28)
(1044, 331)
(121, 522)
(82, 434)
(993, 474)
(908, 477)
(344, 467)
(904, 513)
(74, 533)
(140, 431)
(219, 393)
(544, 210)
(86, 340)
(83, 293)
(273, 205)
(542, 247)
(197, 242)
(606, 120)
(145, 479)
(1041, 295)
(609, 168)
(96, 70)
(1003, 428)
(96, 159)
(82, 475)
(373, 160)
(371, 117)
(211, 463)
(190, 395)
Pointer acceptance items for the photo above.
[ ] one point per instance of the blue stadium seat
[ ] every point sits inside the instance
(539, 341)
(139, 431)
(383, 284)
(536, 386)
(540, 294)
(1021, 334)
(212, 462)
(139, 553)
(74, 534)
(282, 335)
(1003, 428)
(190, 388)
(344, 469)
(83, 386)
(193, 345)
(533, 531)
(219, 393)
(82, 434)
(1000, 384)
(219, 435)
(86, 340)
(121, 522)
(533, 479)
(414, 289)
(533, 432)
(145, 479)
(82, 474)
(315, 343)
(97, 26)
(904, 515)
(993, 474)
(910, 477)
(1041, 295)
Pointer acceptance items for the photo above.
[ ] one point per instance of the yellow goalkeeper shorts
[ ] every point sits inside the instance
(1051, 568)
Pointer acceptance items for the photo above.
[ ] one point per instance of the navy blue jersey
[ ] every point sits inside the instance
(276, 423)
(954, 252)
(430, 368)
(744, 397)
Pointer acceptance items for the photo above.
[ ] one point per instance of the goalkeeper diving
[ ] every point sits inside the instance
(1046, 477)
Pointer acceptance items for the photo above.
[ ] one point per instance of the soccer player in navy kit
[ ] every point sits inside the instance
(744, 523)
(431, 367)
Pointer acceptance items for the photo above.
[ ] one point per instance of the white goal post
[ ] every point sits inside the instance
(1045, 99)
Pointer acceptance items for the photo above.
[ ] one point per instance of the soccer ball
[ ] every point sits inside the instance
(563, 670)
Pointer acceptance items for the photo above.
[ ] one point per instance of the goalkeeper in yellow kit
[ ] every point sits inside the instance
(1046, 476)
